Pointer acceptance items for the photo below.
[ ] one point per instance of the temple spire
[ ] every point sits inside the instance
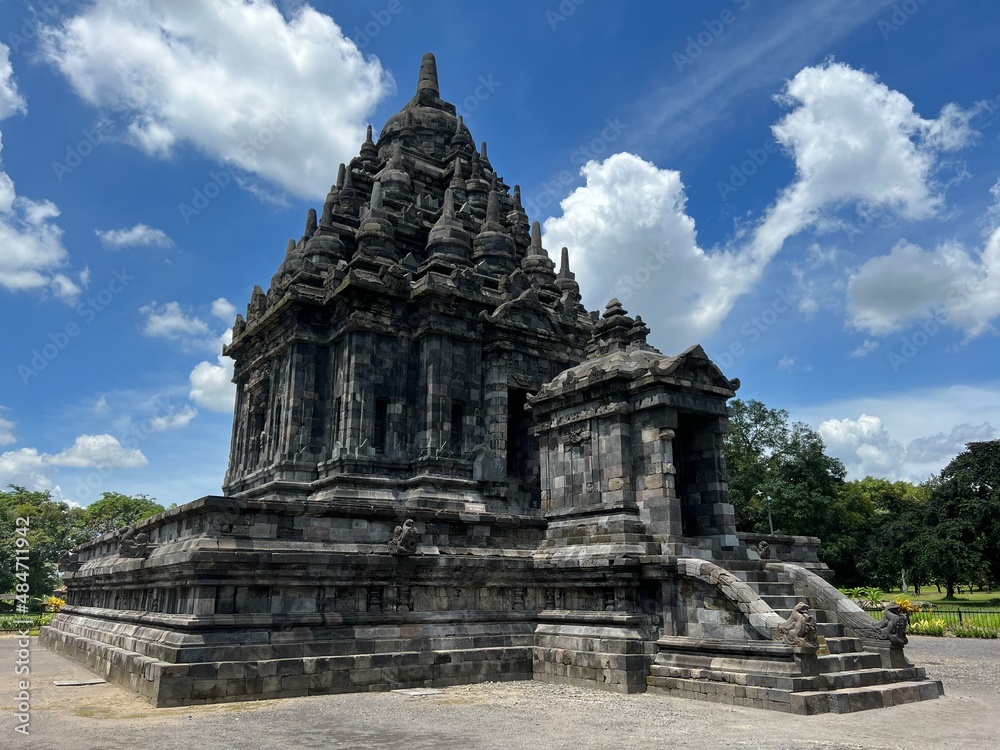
(428, 80)
(564, 263)
(341, 175)
(536, 240)
(376, 201)
(493, 208)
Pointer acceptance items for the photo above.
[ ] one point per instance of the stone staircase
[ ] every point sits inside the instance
(841, 677)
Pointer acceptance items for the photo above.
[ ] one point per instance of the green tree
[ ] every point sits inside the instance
(114, 510)
(51, 530)
(756, 435)
(890, 546)
(963, 517)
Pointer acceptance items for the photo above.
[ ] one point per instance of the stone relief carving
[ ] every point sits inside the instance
(892, 627)
(132, 544)
(404, 539)
(69, 562)
(763, 549)
(799, 629)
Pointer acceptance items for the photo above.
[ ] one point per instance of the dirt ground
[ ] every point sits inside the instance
(517, 715)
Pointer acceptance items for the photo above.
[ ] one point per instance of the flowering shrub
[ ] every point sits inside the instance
(927, 627)
(975, 631)
(54, 604)
(906, 606)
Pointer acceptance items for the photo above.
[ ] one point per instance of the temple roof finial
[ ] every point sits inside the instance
(564, 262)
(368, 135)
(428, 80)
(493, 208)
(376, 201)
(536, 234)
(449, 204)
(341, 174)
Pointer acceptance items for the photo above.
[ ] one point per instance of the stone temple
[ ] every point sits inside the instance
(445, 470)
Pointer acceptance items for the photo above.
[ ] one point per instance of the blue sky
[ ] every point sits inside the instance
(810, 191)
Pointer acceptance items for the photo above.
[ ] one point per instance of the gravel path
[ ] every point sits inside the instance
(515, 716)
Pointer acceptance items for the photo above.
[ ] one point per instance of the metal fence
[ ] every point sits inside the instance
(953, 617)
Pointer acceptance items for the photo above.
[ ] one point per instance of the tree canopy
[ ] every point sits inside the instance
(873, 530)
(54, 527)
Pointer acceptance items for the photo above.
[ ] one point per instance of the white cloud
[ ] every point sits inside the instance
(932, 423)
(855, 143)
(98, 451)
(6, 431)
(786, 363)
(11, 101)
(958, 287)
(863, 445)
(211, 385)
(140, 235)
(174, 420)
(865, 348)
(102, 405)
(24, 467)
(185, 72)
(224, 310)
(941, 448)
(631, 215)
(169, 321)
(33, 253)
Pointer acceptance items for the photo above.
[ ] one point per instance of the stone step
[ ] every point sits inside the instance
(781, 601)
(830, 629)
(821, 615)
(869, 677)
(839, 643)
(848, 662)
(753, 576)
(772, 588)
(848, 700)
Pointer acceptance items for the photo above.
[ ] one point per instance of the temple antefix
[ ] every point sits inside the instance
(445, 470)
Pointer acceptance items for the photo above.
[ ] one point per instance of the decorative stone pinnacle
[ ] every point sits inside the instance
(564, 272)
(493, 208)
(341, 174)
(536, 235)
(482, 152)
(614, 309)
(517, 198)
(310, 222)
(376, 202)
(368, 135)
(428, 80)
(396, 160)
(449, 204)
